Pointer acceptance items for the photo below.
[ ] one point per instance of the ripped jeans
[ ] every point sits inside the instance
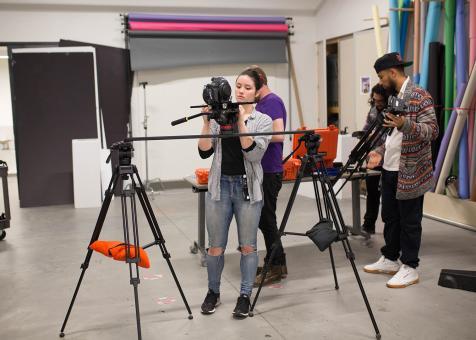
(218, 217)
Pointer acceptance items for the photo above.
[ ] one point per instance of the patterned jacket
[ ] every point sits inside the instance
(415, 175)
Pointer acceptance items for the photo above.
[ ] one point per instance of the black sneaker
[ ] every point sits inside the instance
(242, 308)
(212, 300)
(369, 228)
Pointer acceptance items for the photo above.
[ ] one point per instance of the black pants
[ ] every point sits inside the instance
(373, 200)
(272, 183)
(402, 218)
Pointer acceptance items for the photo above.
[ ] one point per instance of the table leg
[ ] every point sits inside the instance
(199, 245)
(356, 207)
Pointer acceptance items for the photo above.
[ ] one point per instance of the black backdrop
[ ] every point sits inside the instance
(53, 103)
(115, 87)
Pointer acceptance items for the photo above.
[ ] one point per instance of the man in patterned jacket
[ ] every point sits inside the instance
(407, 172)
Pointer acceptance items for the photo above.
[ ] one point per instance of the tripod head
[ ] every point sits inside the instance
(122, 153)
(312, 141)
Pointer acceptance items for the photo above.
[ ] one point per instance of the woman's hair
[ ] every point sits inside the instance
(259, 79)
(380, 90)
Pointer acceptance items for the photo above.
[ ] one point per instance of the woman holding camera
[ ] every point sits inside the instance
(378, 101)
(235, 189)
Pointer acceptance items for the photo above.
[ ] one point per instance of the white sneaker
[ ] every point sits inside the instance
(406, 276)
(382, 266)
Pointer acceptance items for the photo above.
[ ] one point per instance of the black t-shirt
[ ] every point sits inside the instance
(232, 163)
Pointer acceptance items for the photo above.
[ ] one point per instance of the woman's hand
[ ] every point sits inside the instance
(205, 117)
(242, 115)
(205, 144)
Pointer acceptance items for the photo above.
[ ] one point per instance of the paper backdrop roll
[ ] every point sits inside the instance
(450, 9)
(377, 30)
(431, 34)
(471, 118)
(187, 26)
(457, 131)
(447, 135)
(394, 28)
(404, 27)
(416, 42)
(461, 77)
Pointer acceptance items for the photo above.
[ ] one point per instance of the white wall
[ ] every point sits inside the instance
(336, 18)
(5, 97)
(169, 95)
(170, 91)
(347, 18)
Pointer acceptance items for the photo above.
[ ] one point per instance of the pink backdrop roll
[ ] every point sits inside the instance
(173, 26)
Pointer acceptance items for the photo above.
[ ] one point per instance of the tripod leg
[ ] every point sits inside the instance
(284, 221)
(159, 239)
(321, 215)
(134, 279)
(134, 283)
(333, 268)
(97, 230)
(342, 230)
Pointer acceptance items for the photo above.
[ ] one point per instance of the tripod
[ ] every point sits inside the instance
(322, 234)
(127, 171)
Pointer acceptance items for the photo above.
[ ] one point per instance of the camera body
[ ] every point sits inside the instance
(217, 95)
(395, 106)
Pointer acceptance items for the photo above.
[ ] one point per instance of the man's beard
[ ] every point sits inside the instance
(393, 87)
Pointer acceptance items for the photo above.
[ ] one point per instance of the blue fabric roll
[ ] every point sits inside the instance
(404, 28)
(461, 78)
(431, 34)
(394, 28)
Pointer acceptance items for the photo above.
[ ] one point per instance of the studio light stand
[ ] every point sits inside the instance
(322, 234)
(126, 171)
(148, 183)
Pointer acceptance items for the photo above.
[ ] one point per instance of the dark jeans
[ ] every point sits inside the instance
(373, 200)
(272, 183)
(402, 218)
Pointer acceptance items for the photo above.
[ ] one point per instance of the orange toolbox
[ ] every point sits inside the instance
(202, 175)
(328, 144)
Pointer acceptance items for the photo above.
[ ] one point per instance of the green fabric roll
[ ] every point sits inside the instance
(450, 13)
(400, 5)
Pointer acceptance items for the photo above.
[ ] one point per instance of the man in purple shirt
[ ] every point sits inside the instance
(270, 104)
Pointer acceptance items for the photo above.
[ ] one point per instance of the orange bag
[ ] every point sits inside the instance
(117, 250)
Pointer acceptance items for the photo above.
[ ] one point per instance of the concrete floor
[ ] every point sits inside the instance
(40, 265)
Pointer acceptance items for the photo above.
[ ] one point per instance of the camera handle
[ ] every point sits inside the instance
(186, 119)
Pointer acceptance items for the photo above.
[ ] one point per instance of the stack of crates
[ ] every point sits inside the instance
(202, 175)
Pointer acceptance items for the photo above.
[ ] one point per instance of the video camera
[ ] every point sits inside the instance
(395, 106)
(217, 95)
